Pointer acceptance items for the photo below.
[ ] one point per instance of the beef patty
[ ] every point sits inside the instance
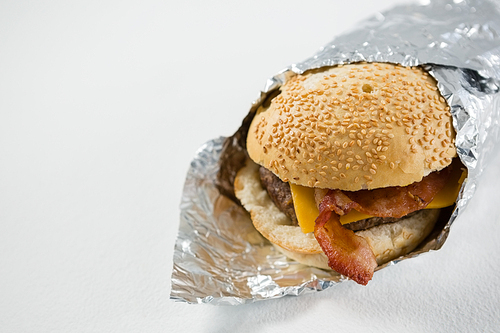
(280, 193)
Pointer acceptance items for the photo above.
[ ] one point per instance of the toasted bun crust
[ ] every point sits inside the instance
(353, 127)
(388, 241)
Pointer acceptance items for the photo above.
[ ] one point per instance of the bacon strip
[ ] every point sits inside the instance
(351, 255)
(394, 201)
(347, 253)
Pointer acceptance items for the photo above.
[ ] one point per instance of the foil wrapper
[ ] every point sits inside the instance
(219, 258)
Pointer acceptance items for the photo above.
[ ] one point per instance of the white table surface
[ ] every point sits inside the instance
(102, 106)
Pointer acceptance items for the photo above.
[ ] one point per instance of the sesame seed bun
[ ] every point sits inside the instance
(387, 241)
(353, 127)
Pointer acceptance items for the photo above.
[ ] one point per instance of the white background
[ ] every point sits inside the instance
(102, 106)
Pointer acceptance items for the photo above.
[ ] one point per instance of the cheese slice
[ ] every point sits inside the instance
(307, 212)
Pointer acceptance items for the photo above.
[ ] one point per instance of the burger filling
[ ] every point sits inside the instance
(281, 194)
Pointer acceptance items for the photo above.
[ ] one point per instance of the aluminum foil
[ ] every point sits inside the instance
(219, 258)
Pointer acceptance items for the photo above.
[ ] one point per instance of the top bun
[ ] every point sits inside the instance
(353, 127)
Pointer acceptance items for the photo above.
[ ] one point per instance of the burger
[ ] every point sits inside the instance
(349, 166)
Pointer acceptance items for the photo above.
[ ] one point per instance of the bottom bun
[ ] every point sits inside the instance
(388, 241)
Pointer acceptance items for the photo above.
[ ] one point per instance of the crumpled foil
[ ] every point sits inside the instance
(219, 258)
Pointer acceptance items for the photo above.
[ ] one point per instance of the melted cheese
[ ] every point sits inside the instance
(307, 212)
